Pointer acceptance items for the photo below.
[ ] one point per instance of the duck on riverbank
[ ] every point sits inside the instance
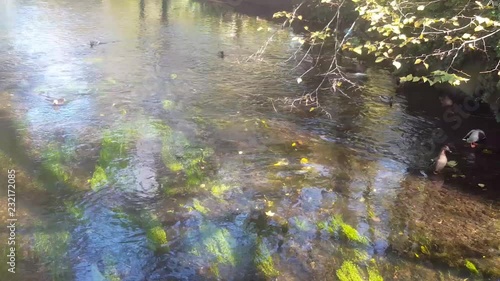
(440, 162)
(474, 136)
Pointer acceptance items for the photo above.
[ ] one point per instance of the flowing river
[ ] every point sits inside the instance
(167, 162)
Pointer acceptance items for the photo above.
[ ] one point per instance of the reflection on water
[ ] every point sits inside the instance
(170, 163)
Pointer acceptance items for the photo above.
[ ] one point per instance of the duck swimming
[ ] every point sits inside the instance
(386, 99)
(440, 162)
(59, 101)
(474, 136)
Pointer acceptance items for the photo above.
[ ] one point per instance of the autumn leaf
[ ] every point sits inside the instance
(358, 50)
(396, 64)
(451, 164)
(270, 213)
(421, 8)
(304, 161)
(379, 59)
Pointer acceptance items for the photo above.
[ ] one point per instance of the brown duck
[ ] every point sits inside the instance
(440, 162)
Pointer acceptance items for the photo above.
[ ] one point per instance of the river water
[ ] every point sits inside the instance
(167, 162)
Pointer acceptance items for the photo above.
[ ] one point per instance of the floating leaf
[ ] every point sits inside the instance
(304, 161)
(294, 144)
(270, 213)
(260, 28)
(173, 76)
(299, 80)
(312, 109)
(283, 162)
(481, 185)
(487, 151)
(421, 8)
(451, 164)
(396, 64)
(299, 17)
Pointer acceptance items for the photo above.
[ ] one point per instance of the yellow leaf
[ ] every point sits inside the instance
(306, 27)
(478, 28)
(304, 161)
(451, 164)
(455, 23)
(260, 28)
(358, 50)
(396, 64)
(312, 109)
(417, 61)
(426, 65)
(283, 162)
(173, 75)
(421, 8)
(299, 17)
(466, 35)
(270, 213)
(299, 80)
(379, 59)
(294, 144)
(481, 185)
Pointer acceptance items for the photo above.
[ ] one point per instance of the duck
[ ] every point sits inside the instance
(440, 161)
(59, 101)
(474, 136)
(94, 43)
(386, 99)
(220, 54)
(445, 101)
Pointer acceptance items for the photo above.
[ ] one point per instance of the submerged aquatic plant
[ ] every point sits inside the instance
(198, 207)
(157, 237)
(264, 261)
(373, 272)
(114, 146)
(219, 242)
(99, 178)
(349, 271)
(53, 164)
(219, 189)
(75, 211)
(348, 231)
(51, 248)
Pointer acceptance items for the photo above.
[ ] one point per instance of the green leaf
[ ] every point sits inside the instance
(426, 65)
(396, 64)
(380, 59)
(417, 61)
